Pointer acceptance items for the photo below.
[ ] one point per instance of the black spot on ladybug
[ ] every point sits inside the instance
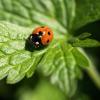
(47, 41)
(40, 33)
(42, 27)
(48, 33)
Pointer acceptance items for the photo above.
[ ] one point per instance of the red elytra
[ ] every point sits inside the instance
(45, 33)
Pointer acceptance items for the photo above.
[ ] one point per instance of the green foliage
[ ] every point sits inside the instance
(60, 67)
(37, 12)
(81, 59)
(85, 43)
(84, 35)
(87, 11)
(61, 62)
(40, 92)
(23, 63)
(17, 62)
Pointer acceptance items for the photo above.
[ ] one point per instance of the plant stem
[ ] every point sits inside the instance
(95, 76)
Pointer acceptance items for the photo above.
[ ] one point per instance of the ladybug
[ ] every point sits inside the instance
(41, 36)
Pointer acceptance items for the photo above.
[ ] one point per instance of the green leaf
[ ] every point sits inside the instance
(85, 43)
(60, 67)
(15, 61)
(39, 12)
(42, 91)
(84, 35)
(87, 11)
(81, 58)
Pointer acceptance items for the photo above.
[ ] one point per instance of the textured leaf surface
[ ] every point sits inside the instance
(21, 62)
(84, 35)
(87, 11)
(80, 57)
(85, 43)
(33, 12)
(27, 12)
(61, 67)
(57, 61)
(15, 61)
